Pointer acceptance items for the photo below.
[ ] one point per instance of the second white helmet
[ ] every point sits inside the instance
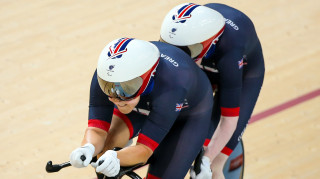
(191, 24)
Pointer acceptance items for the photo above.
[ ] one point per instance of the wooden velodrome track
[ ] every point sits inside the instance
(49, 50)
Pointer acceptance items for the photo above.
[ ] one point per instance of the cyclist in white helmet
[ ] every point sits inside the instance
(142, 88)
(223, 42)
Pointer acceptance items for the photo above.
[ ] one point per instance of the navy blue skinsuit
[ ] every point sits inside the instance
(172, 118)
(236, 68)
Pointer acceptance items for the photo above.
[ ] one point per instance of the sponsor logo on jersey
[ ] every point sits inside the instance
(184, 13)
(240, 63)
(231, 23)
(180, 106)
(117, 50)
(166, 57)
(239, 138)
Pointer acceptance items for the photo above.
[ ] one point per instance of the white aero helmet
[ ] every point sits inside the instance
(125, 67)
(193, 26)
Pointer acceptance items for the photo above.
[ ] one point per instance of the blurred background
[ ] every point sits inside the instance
(49, 51)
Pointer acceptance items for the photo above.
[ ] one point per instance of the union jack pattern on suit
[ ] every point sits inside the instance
(240, 63)
(179, 106)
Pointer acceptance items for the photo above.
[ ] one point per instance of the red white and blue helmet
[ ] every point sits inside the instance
(125, 67)
(194, 26)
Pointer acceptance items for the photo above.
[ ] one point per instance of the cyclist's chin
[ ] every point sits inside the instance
(125, 109)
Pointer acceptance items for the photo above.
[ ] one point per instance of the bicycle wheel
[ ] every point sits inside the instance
(234, 167)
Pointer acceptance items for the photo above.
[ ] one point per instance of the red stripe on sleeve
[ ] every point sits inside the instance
(149, 176)
(230, 112)
(143, 139)
(206, 142)
(226, 151)
(99, 124)
(125, 119)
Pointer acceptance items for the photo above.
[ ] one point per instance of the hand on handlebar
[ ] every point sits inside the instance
(82, 156)
(205, 172)
(108, 164)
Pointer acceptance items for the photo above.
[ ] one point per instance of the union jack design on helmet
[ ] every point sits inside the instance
(119, 48)
(184, 13)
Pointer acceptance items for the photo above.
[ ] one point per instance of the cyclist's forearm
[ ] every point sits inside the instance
(96, 137)
(221, 136)
(134, 154)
